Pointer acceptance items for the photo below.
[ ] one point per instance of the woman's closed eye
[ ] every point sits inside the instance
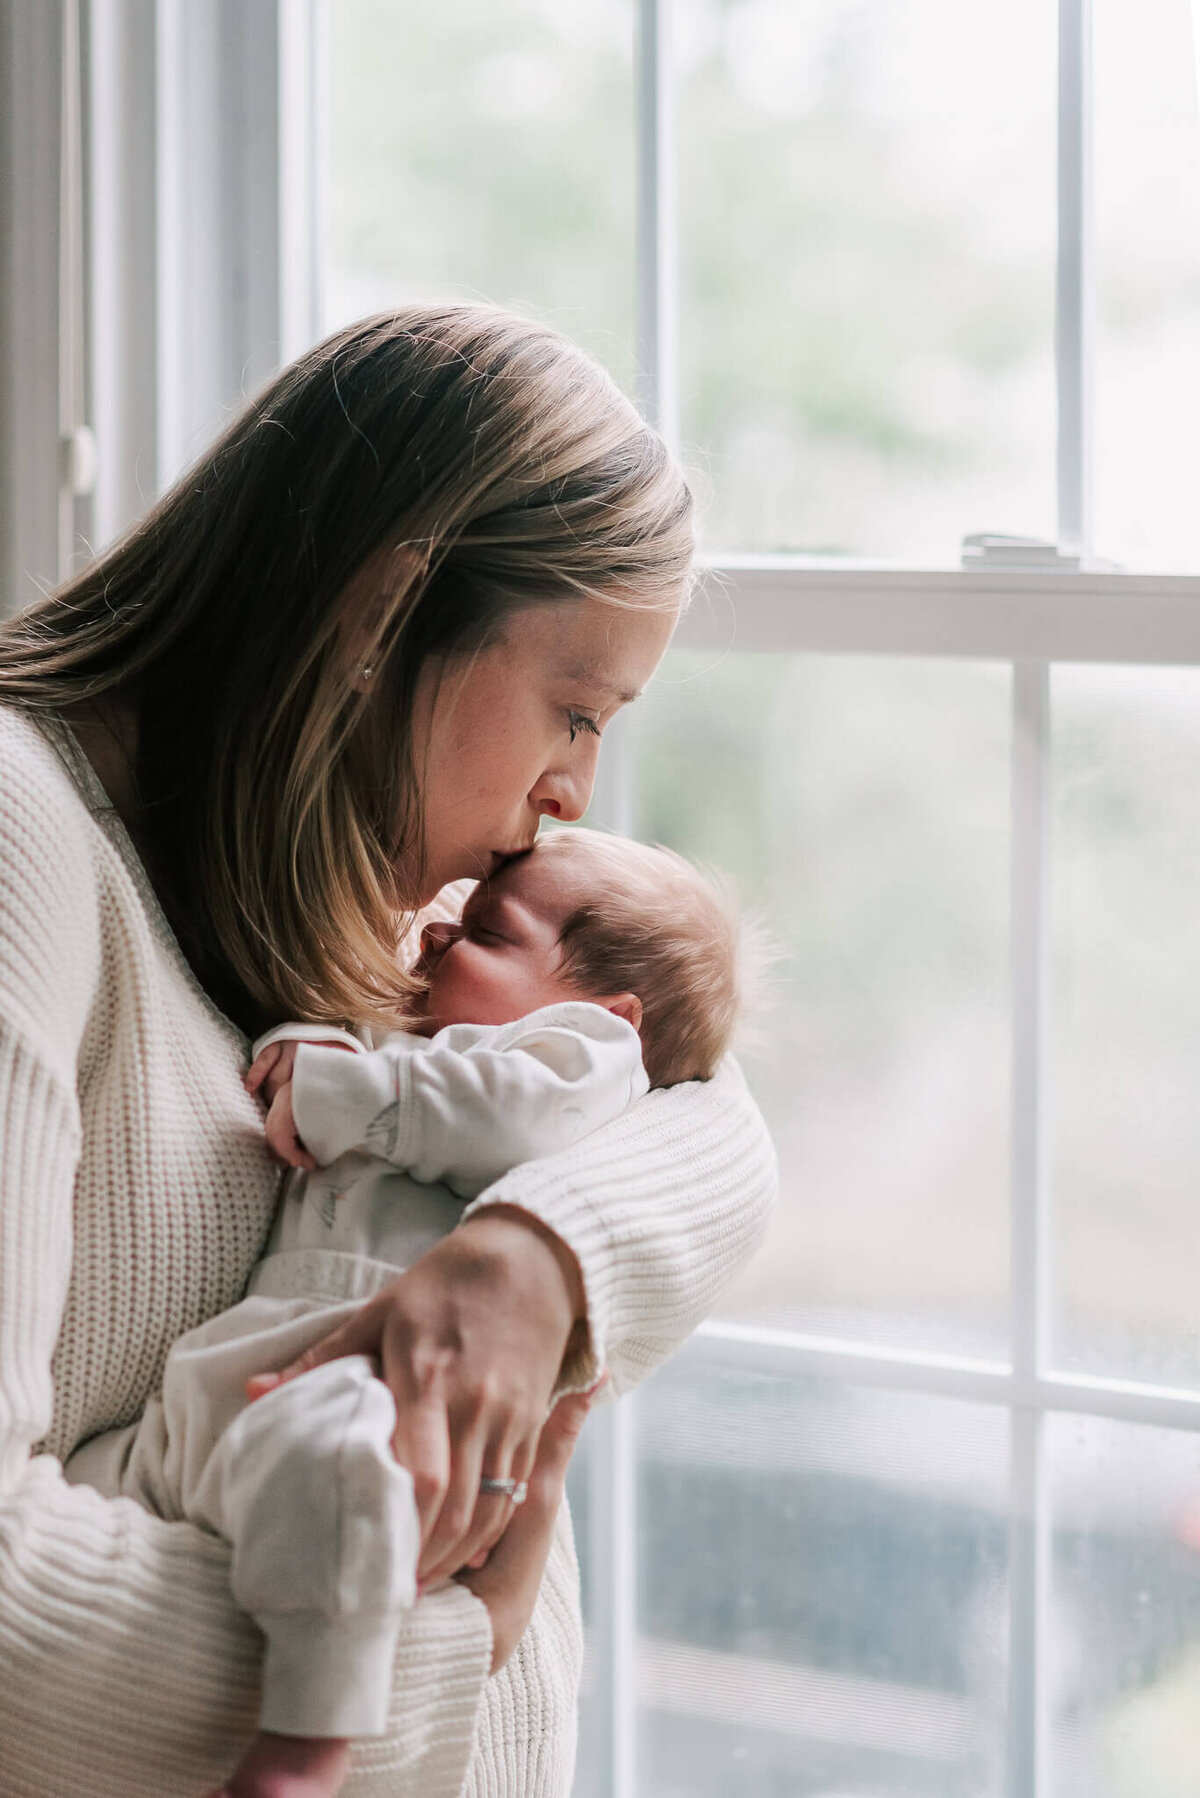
(579, 721)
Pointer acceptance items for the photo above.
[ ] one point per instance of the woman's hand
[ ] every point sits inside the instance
(510, 1578)
(470, 1342)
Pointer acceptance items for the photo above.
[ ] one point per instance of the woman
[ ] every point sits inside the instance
(357, 653)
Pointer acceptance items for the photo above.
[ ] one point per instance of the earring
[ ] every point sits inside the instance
(367, 671)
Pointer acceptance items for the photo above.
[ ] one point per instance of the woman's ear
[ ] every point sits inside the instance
(625, 1005)
(368, 600)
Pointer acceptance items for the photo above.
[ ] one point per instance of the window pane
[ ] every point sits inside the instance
(485, 151)
(1127, 1021)
(868, 206)
(1147, 256)
(1125, 1619)
(862, 805)
(821, 1590)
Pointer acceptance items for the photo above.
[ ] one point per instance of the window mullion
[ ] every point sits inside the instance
(1073, 301)
(218, 216)
(303, 159)
(657, 303)
(1029, 1227)
(612, 1551)
(31, 53)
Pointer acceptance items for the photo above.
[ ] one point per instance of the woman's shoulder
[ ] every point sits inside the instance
(49, 893)
(45, 821)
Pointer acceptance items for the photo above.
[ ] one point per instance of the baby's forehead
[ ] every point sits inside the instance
(549, 881)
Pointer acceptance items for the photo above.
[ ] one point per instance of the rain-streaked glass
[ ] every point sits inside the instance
(485, 150)
(1125, 1104)
(821, 1590)
(862, 806)
(1124, 1688)
(867, 271)
(1146, 236)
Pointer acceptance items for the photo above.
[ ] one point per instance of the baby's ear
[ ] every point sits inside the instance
(625, 1005)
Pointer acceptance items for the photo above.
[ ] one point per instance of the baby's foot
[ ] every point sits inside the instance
(289, 1767)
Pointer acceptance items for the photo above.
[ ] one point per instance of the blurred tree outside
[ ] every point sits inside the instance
(485, 150)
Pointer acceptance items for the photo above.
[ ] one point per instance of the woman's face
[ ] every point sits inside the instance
(511, 734)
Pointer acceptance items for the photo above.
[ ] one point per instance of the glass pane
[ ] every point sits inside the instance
(1125, 1618)
(1126, 900)
(868, 238)
(1147, 257)
(821, 1590)
(485, 151)
(862, 806)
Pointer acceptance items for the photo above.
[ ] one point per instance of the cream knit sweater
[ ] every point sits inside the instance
(135, 1194)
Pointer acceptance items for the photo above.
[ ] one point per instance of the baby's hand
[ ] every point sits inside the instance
(282, 1139)
(272, 1069)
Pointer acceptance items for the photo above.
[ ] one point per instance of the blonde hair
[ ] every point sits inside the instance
(405, 486)
(655, 925)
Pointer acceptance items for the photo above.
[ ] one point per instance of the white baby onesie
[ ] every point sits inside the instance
(303, 1483)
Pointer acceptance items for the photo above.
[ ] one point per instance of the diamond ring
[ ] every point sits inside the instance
(517, 1490)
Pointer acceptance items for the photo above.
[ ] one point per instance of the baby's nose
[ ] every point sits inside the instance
(436, 939)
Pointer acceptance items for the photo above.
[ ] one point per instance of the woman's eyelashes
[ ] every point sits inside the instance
(579, 721)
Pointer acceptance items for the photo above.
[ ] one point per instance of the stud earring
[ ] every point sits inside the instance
(367, 671)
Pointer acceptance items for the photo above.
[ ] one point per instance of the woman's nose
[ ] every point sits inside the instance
(566, 793)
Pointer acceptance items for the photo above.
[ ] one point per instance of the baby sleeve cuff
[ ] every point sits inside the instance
(342, 1102)
(327, 1678)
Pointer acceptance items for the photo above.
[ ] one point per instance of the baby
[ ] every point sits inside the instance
(578, 976)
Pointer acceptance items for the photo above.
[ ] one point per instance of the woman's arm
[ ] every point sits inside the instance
(660, 1209)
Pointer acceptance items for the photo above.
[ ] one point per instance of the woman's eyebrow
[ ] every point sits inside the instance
(588, 674)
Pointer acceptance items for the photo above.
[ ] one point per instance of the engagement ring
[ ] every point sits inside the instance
(517, 1490)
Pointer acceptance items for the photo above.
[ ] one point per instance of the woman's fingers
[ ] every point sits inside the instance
(488, 1305)
(509, 1581)
(421, 1443)
(446, 1545)
(561, 1434)
(487, 1513)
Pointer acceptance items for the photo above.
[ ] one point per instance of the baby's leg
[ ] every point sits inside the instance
(159, 1459)
(304, 1486)
(323, 1527)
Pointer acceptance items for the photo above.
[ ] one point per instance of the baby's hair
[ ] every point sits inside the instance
(657, 926)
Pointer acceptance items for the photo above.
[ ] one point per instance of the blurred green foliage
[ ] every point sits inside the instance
(485, 150)
(832, 306)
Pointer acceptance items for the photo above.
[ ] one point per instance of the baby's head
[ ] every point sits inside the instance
(601, 918)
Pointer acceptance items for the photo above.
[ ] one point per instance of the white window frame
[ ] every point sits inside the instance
(210, 116)
(160, 202)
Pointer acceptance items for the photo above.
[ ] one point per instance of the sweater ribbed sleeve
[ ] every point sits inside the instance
(662, 1207)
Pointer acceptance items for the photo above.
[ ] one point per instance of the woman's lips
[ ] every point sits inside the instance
(500, 856)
